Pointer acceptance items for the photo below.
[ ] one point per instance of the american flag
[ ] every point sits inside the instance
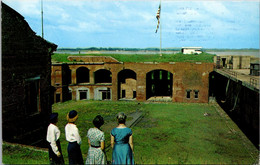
(158, 17)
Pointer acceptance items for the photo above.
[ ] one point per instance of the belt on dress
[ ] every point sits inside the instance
(95, 146)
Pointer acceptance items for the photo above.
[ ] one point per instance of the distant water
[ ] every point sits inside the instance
(238, 53)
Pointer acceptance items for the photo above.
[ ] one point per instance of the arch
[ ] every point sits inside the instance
(159, 83)
(82, 75)
(102, 76)
(82, 93)
(66, 75)
(126, 84)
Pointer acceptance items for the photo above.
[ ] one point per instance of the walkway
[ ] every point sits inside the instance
(241, 75)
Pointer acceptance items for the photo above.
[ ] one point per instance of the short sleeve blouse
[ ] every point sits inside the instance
(95, 136)
(121, 135)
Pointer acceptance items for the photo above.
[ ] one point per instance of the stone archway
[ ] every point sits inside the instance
(159, 83)
(103, 76)
(127, 84)
(82, 74)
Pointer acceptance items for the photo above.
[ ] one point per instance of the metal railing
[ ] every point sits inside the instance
(230, 72)
(254, 82)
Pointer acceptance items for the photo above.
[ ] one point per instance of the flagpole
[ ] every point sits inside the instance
(42, 16)
(160, 31)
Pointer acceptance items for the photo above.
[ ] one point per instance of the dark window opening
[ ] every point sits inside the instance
(196, 94)
(160, 75)
(105, 94)
(57, 97)
(188, 92)
(224, 62)
(83, 94)
(134, 94)
(32, 97)
(169, 75)
(153, 88)
(123, 93)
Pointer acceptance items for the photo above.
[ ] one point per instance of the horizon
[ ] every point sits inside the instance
(132, 24)
(154, 48)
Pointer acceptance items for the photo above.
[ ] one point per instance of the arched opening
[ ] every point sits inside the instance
(82, 74)
(159, 84)
(127, 84)
(103, 76)
(66, 74)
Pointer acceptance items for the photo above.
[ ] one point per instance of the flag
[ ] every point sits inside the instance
(158, 17)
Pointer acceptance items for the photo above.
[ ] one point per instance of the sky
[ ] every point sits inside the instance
(132, 23)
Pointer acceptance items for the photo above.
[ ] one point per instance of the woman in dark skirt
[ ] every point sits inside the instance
(53, 135)
(74, 139)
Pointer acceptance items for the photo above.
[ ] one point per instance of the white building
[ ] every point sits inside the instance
(191, 50)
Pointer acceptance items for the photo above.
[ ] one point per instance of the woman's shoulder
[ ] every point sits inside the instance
(127, 129)
(95, 130)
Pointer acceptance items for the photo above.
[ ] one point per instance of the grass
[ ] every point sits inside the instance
(178, 57)
(16, 154)
(173, 133)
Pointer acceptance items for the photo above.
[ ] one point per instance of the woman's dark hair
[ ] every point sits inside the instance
(54, 118)
(98, 121)
(121, 117)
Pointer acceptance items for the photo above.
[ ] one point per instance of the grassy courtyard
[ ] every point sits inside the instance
(172, 133)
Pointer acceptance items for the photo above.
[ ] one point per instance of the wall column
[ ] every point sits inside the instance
(141, 86)
(114, 86)
(73, 76)
(91, 77)
(74, 94)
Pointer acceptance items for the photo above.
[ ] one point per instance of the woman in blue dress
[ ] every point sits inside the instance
(122, 142)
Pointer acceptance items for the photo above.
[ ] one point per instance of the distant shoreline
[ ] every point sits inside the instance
(238, 52)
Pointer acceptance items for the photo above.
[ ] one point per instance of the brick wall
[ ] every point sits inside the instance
(185, 76)
(26, 78)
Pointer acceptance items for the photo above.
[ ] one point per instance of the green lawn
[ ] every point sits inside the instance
(178, 57)
(173, 133)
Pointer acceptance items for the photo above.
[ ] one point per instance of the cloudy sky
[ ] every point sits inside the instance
(132, 23)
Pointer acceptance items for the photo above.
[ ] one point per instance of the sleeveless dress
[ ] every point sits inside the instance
(122, 152)
(95, 154)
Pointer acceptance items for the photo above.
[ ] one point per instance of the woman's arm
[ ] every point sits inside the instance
(77, 136)
(131, 142)
(102, 145)
(89, 142)
(112, 141)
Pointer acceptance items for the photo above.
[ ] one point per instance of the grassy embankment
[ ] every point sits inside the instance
(173, 133)
(178, 57)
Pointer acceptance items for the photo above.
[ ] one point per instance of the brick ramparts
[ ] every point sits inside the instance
(185, 76)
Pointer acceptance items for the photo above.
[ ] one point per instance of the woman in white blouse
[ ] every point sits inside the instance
(74, 139)
(53, 135)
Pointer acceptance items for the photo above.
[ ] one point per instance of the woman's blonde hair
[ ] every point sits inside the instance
(72, 116)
